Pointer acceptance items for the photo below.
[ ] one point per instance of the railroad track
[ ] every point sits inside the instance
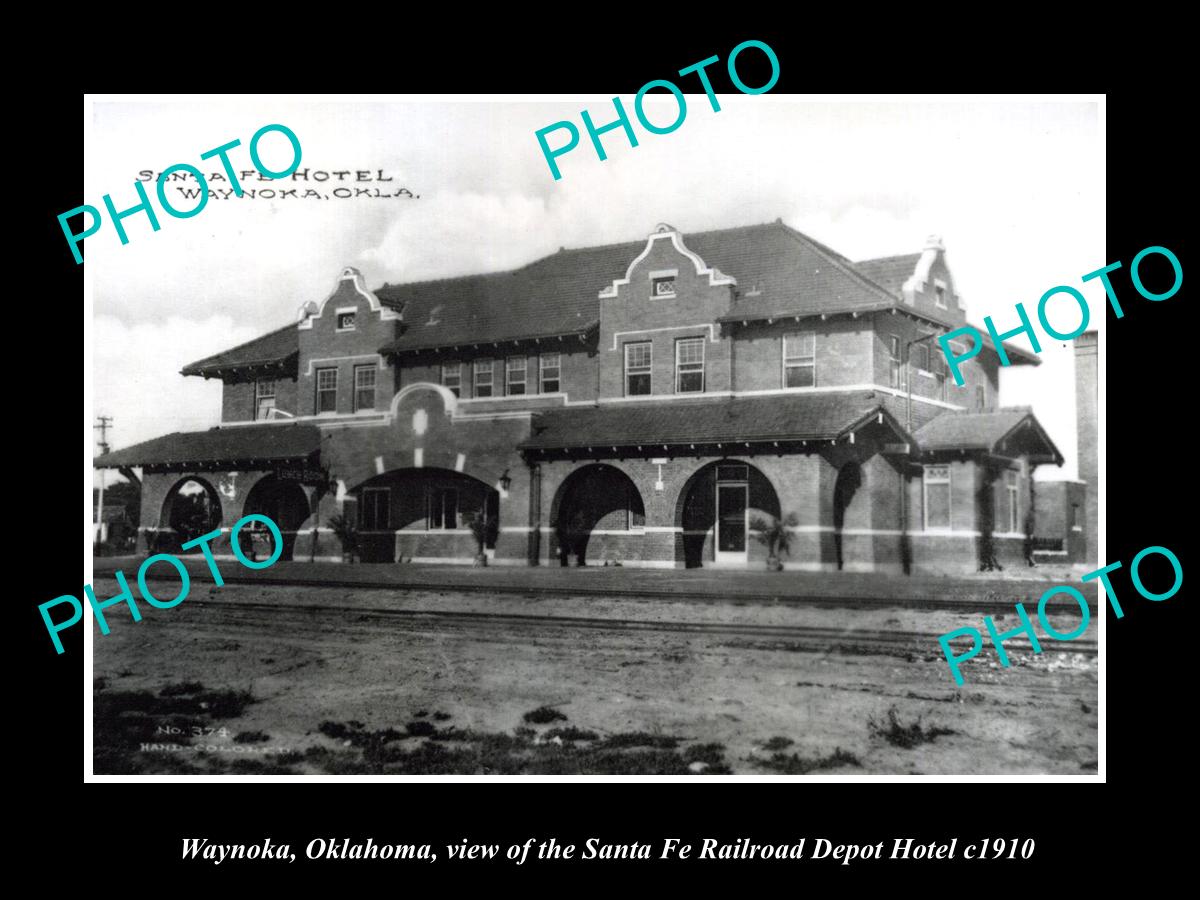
(816, 638)
(989, 605)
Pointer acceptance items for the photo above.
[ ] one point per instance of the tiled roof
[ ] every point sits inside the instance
(775, 417)
(279, 346)
(980, 431)
(779, 272)
(890, 272)
(219, 445)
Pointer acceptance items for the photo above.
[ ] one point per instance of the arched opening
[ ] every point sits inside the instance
(424, 515)
(714, 512)
(190, 509)
(594, 512)
(849, 480)
(285, 504)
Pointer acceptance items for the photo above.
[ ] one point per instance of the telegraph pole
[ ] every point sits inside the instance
(103, 423)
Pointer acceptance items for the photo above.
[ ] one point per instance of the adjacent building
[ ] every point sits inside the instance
(652, 403)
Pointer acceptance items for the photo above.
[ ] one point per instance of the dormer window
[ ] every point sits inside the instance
(345, 320)
(662, 284)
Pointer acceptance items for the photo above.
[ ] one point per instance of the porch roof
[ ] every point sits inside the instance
(994, 432)
(733, 420)
(229, 445)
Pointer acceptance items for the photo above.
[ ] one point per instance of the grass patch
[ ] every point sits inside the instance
(571, 733)
(641, 739)
(795, 764)
(251, 737)
(544, 715)
(778, 743)
(896, 733)
(525, 751)
(420, 729)
(140, 732)
(181, 688)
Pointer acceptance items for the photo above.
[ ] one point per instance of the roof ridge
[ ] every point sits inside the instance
(590, 247)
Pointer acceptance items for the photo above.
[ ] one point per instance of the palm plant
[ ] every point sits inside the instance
(347, 534)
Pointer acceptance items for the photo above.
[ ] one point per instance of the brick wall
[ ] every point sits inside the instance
(323, 346)
(843, 352)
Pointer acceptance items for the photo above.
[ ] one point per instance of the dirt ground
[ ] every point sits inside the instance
(301, 680)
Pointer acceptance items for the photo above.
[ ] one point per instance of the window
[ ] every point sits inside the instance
(550, 371)
(940, 300)
(923, 357)
(638, 359)
(1010, 483)
(733, 472)
(443, 509)
(980, 398)
(364, 387)
(689, 365)
(940, 380)
(895, 376)
(345, 321)
(452, 377)
(326, 390)
(1076, 523)
(483, 378)
(373, 509)
(937, 498)
(264, 399)
(799, 359)
(516, 369)
(663, 286)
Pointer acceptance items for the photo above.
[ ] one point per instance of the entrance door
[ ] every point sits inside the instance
(732, 512)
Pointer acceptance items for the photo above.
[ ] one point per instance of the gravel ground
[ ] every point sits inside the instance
(832, 691)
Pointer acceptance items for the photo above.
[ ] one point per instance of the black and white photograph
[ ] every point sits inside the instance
(480, 439)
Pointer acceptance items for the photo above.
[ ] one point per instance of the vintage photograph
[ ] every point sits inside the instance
(656, 468)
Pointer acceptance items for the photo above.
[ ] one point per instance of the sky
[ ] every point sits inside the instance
(1014, 188)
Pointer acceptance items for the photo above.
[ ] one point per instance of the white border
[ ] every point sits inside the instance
(92, 189)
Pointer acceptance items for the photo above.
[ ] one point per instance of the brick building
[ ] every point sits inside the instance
(647, 403)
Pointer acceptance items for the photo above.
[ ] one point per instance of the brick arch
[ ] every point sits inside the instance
(591, 501)
(167, 538)
(695, 512)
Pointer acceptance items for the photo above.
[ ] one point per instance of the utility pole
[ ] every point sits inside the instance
(103, 423)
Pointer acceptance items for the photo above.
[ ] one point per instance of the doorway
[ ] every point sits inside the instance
(732, 523)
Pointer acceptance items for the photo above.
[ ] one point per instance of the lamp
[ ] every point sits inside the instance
(505, 481)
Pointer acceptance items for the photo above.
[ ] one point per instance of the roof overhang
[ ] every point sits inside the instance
(545, 341)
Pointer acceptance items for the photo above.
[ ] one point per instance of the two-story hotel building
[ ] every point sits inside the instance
(643, 403)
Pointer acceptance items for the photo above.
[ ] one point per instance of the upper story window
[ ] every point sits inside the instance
(364, 387)
(937, 497)
(940, 295)
(373, 513)
(516, 369)
(800, 359)
(980, 398)
(264, 399)
(551, 369)
(939, 376)
(662, 284)
(443, 509)
(484, 369)
(689, 365)
(345, 320)
(326, 390)
(1076, 522)
(922, 357)
(452, 377)
(895, 370)
(638, 361)
(1010, 486)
